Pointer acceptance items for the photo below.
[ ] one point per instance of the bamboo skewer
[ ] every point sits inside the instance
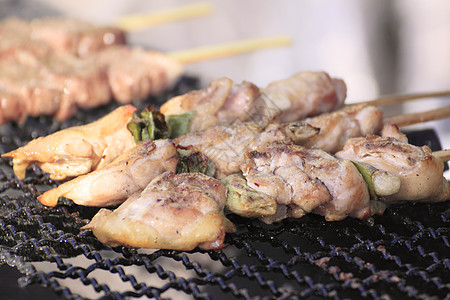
(420, 117)
(229, 49)
(394, 99)
(141, 21)
(444, 155)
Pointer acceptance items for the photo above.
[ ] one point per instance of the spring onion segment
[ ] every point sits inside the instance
(151, 124)
(380, 183)
(246, 201)
(194, 162)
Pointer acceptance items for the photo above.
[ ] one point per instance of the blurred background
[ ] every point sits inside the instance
(378, 47)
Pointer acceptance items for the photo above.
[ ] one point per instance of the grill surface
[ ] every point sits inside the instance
(403, 254)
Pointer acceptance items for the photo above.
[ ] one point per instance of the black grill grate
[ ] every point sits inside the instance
(403, 254)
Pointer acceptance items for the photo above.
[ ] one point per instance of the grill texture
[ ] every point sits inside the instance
(403, 254)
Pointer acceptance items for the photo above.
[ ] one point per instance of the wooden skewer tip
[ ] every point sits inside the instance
(141, 21)
(444, 155)
(395, 99)
(420, 117)
(229, 49)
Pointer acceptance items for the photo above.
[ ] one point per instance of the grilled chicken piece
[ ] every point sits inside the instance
(53, 66)
(15, 39)
(225, 146)
(206, 103)
(222, 102)
(392, 130)
(129, 173)
(134, 74)
(74, 36)
(307, 180)
(338, 126)
(28, 89)
(175, 211)
(241, 105)
(80, 78)
(420, 173)
(77, 150)
(12, 107)
(60, 35)
(304, 94)
(52, 85)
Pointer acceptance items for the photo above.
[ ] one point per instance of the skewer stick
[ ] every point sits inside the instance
(444, 155)
(229, 49)
(420, 117)
(394, 99)
(141, 21)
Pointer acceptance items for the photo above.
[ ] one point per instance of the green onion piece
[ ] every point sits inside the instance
(246, 201)
(379, 183)
(179, 124)
(135, 130)
(366, 172)
(194, 162)
(150, 124)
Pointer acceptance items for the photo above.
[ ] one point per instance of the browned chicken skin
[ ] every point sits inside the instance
(127, 174)
(307, 180)
(304, 94)
(225, 146)
(77, 150)
(338, 126)
(175, 211)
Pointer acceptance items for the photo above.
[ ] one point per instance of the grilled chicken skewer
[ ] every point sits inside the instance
(292, 99)
(57, 84)
(114, 183)
(225, 145)
(335, 127)
(53, 150)
(300, 180)
(53, 66)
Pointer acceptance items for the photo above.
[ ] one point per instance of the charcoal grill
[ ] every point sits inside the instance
(403, 254)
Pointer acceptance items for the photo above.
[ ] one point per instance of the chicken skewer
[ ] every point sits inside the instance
(225, 146)
(81, 38)
(99, 188)
(349, 122)
(30, 154)
(223, 102)
(58, 80)
(294, 180)
(335, 129)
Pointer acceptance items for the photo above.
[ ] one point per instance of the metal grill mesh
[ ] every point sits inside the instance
(400, 255)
